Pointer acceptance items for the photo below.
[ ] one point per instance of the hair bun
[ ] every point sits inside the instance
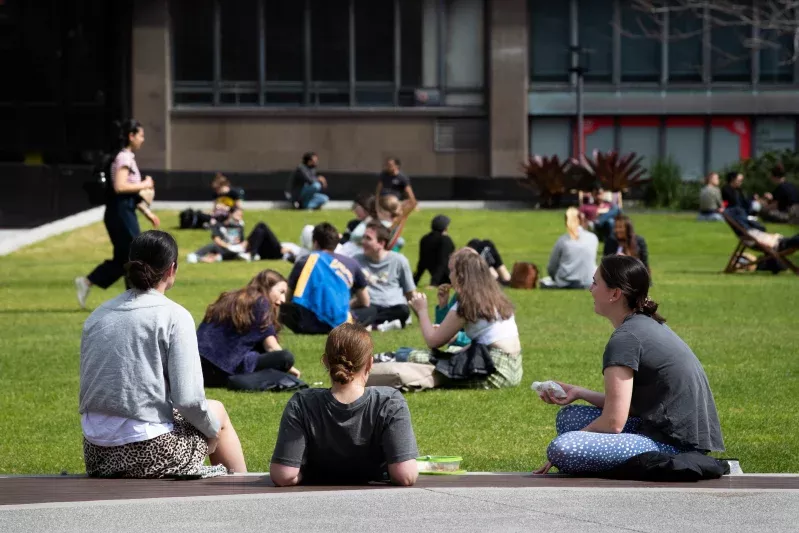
(342, 371)
(649, 307)
(141, 275)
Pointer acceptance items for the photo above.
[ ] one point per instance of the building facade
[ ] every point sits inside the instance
(455, 88)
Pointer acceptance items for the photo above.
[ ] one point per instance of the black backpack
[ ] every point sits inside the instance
(99, 188)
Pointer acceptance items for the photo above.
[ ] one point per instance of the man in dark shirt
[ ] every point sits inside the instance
(300, 319)
(393, 181)
(779, 204)
(305, 185)
(434, 251)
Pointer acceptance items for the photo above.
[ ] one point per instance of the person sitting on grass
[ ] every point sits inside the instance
(389, 211)
(349, 433)
(362, 206)
(711, 205)
(573, 259)
(435, 248)
(326, 288)
(625, 241)
(648, 371)
(238, 334)
(142, 403)
(389, 277)
(782, 205)
(493, 360)
(488, 251)
(228, 241)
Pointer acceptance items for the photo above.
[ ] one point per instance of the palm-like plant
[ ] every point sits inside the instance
(615, 172)
(548, 176)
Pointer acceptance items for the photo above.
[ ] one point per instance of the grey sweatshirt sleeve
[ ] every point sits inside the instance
(185, 376)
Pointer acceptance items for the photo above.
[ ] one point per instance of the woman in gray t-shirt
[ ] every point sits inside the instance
(349, 433)
(657, 397)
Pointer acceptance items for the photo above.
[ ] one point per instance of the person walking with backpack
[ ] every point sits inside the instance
(124, 198)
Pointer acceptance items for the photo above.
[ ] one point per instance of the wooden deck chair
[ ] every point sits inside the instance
(746, 242)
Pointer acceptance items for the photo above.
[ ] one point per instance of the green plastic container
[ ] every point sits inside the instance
(440, 464)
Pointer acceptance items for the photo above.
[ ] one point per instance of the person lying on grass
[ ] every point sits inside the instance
(143, 408)
(238, 334)
(657, 397)
(349, 433)
(486, 315)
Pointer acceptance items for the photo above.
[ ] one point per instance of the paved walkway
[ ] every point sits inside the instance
(503, 502)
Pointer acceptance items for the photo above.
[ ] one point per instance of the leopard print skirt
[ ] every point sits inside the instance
(179, 452)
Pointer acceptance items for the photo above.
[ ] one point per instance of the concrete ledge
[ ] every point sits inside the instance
(27, 237)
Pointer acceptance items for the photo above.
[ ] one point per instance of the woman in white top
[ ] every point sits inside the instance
(486, 315)
(142, 403)
(125, 195)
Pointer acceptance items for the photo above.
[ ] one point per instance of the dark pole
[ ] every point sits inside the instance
(579, 70)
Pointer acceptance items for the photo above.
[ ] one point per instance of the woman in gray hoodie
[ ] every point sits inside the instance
(142, 403)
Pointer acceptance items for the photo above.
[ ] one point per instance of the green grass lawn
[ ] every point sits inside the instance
(744, 329)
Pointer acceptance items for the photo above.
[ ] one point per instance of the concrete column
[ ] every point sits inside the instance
(507, 86)
(151, 81)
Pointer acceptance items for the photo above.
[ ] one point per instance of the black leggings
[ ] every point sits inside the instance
(122, 226)
(281, 360)
(388, 314)
(264, 242)
(487, 251)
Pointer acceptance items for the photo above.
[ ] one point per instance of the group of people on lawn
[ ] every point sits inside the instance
(143, 365)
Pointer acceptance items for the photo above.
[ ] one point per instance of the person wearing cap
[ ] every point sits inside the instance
(434, 251)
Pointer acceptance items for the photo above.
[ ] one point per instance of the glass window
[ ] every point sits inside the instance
(643, 141)
(465, 52)
(239, 40)
(411, 24)
(731, 59)
(330, 40)
(551, 136)
(550, 58)
(774, 135)
(685, 46)
(725, 147)
(686, 145)
(193, 39)
(601, 138)
(641, 35)
(285, 41)
(595, 26)
(776, 57)
(374, 40)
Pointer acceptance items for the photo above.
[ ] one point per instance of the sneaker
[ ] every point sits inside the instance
(390, 326)
(383, 357)
(256, 257)
(245, 256)
(82, 287)
(191, 258)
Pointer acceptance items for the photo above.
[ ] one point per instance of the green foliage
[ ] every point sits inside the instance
(757, 170)
(742, 328)
(665, 186)
(688, 197)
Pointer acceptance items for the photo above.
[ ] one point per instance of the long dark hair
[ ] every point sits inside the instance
(151, 255)
(126, 129)
(629, 275)
(479, 295)
(237, 308)
(629, 245)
